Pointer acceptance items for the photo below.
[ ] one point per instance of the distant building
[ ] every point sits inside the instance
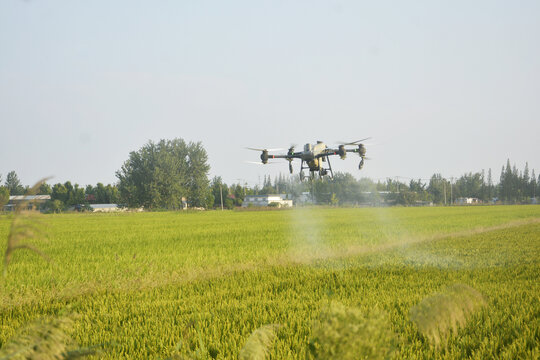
(467, 201)
(33, 201)
(266, 200)
(105, 207)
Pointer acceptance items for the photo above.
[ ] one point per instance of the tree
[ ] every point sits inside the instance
(439, 189)
(197, 184)
(56, 206)
(238, 192)
(4, 196)
(469, 185)
(209, 201)
(525, 182)
(60, 193)
(45, 189)
(406, 197)
(532, 185)
(490, 187)
(419, 188)
(345, 188)
(14, 184)
(160, 175)
(219, 191)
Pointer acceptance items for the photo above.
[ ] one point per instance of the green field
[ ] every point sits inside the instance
(143, 284)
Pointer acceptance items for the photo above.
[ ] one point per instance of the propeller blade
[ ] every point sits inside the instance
(354, 142)
(255, 149)
(260, 163)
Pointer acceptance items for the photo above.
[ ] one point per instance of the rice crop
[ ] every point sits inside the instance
(216, 284)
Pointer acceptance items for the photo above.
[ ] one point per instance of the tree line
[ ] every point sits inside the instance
(169, 174)
(173, 174)
(514, 186)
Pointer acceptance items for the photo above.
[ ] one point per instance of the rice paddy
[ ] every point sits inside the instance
(302, 283)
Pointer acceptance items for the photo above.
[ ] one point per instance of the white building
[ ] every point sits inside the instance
(266, 200)
(105, 208)
(33, 202)
(467, 201)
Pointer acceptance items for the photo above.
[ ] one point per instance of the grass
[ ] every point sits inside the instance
(146, 283)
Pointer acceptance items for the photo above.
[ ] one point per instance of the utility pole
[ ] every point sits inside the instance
(221, 195)
(451, 194)
(444, 191)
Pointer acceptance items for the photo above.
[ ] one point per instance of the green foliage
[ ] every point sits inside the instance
(14, 184)
(210, 200)
(334, 201)
(55, 206)
(349, 333)
(158, 175)
(197, 185)
(101, 194)
(220, 191)
(4, 196)
(45, 189)
(66, 195)
(406, 197)
(516, 186)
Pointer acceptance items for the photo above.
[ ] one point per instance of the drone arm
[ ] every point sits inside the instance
(286, 156)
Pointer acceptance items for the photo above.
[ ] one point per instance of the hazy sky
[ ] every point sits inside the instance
(445, 87)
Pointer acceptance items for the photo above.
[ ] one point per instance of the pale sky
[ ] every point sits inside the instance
(447, 87)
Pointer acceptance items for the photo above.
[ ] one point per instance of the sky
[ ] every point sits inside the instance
(440, 87)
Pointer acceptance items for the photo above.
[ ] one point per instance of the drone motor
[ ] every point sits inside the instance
(342, 152)
(264, 156)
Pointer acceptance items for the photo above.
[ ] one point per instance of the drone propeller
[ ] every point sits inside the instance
(278, 149)
(260, 163)
(291, 150)
(354, 142)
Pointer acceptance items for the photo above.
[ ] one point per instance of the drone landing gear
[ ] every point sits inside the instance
(320, 169)
(323, 171)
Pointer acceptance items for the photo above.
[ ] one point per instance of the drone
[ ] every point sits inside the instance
(314, 156)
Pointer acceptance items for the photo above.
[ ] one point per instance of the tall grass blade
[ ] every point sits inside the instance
(44, 339)
(24, 226)
(439, 315)
(258, 344)
(349, 333)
